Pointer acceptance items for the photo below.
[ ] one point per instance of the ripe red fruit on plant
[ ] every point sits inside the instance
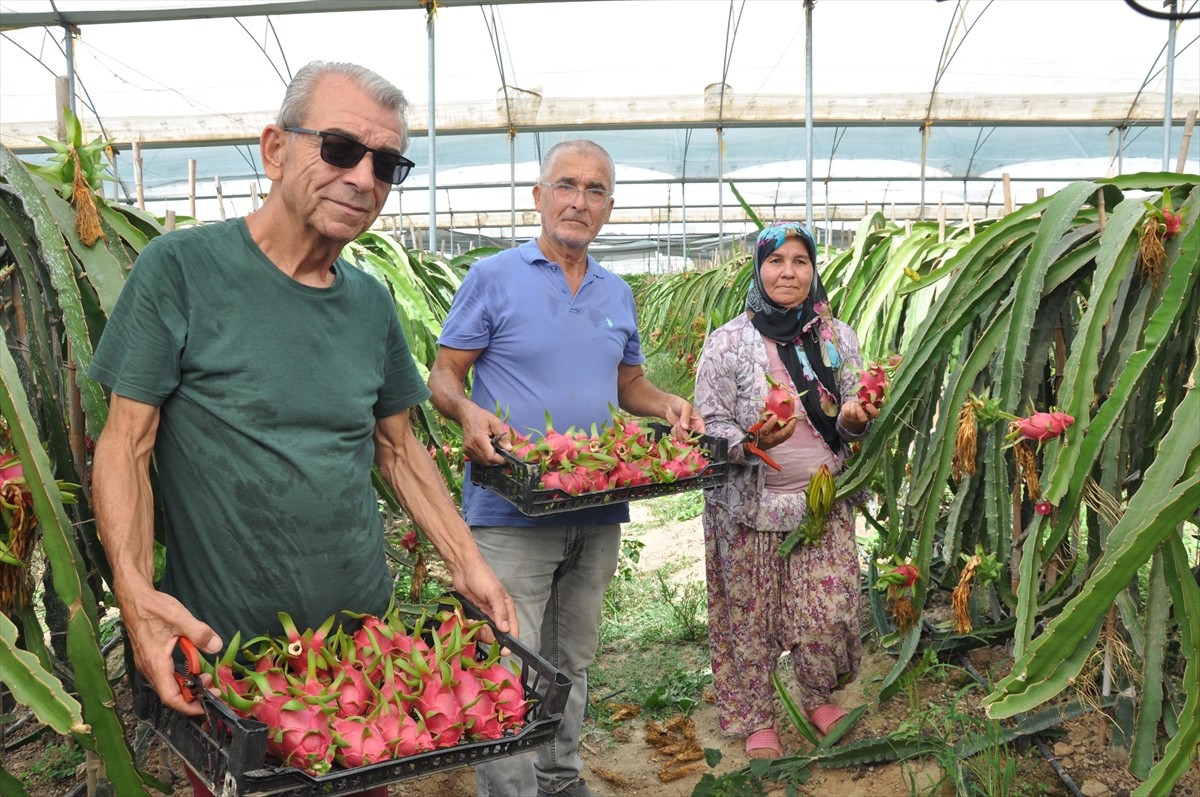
(910, 573)
(1041, 426)
(1172, 221)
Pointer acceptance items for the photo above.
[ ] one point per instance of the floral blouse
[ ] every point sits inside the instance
(731, 389)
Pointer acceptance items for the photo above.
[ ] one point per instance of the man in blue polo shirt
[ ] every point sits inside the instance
(547, 329)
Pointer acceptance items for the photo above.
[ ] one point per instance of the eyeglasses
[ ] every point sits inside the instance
(566, 193)
(345, 153)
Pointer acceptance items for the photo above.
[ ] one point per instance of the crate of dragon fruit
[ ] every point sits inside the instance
(559, 472)
(326, 711)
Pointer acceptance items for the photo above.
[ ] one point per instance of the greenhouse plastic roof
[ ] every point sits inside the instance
(914, 102)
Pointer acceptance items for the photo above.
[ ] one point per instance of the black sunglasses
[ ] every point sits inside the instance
(345, 153)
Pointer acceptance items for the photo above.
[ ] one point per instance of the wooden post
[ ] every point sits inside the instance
(220, 197)
(1188, 126)
(62, 101)
(941, 218)
(1041, 192)
(1008, 200)
(137, 175)
(169, 221)
(254, 195)
(192, 187)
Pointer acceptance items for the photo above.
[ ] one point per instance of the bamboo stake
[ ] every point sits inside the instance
(1041, 192)
(1188, 126)
(254, 195)
(1008, 199)
(1015, 556)
(1106, 684)
(22, 327)
(941, 218)
(169, 221)
(137, 175)
(92, 779)
(192, 187)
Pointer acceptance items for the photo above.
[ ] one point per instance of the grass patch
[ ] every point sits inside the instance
(653, 631)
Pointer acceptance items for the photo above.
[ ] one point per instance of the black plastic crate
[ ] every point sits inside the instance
(229, 752)
(519, 482)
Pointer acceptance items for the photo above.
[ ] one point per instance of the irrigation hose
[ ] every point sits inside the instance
(1047, 753)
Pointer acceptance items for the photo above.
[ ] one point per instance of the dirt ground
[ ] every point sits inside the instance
(620, 762)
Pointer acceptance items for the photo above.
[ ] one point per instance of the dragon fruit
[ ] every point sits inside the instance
(300, 733)
(358, 742)
(477, 705)
(781, 400)
(1040, 426)
(386, 691)
(411, 736)
(442, 711)
(873, 385)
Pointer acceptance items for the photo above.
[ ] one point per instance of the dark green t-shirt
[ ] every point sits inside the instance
(269, 392)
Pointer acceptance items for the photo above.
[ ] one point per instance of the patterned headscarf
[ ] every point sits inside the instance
(804, 334)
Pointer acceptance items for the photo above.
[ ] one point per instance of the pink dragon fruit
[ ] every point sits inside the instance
(411, 736)
(1040, 426)
(781, 400)
(358, 742)
(873, 385)
(442, 711)
(299, 645)
(300, 733)
(353, 691)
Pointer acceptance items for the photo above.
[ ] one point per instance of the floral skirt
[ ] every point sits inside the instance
(760, 606)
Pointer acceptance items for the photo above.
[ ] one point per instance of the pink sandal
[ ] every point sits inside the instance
(826, 716)
(764, 744)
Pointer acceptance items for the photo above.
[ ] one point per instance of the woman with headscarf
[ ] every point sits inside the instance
(761, 604)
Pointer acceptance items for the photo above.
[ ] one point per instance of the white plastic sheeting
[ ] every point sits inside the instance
(1043, 91)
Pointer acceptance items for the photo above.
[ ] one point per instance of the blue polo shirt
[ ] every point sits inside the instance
(542, 349)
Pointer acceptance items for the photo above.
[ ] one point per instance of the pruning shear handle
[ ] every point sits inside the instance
(189, 679)
(748, 442)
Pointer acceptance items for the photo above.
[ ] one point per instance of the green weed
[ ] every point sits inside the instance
(687, 605)
(58, 761)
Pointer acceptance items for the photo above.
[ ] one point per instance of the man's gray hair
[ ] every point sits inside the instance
(582, 146)
(294, 110)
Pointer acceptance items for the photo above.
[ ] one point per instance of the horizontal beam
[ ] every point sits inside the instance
(676, 112)
(12, 20)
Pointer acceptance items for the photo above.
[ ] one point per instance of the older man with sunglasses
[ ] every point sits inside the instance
(547, 329)
(265, 375)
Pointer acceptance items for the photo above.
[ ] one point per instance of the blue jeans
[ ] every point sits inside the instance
(557, 576)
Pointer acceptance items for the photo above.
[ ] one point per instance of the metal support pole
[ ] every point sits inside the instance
(808, 114)
(430, 16)
(1166, 150)
(70, 48)
(512, 181)
(720, 187)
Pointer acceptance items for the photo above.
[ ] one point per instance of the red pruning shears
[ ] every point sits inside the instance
(189, 679)
(752, 447)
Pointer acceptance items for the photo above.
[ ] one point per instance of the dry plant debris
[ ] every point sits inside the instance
(614, 779)
(675, 748)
